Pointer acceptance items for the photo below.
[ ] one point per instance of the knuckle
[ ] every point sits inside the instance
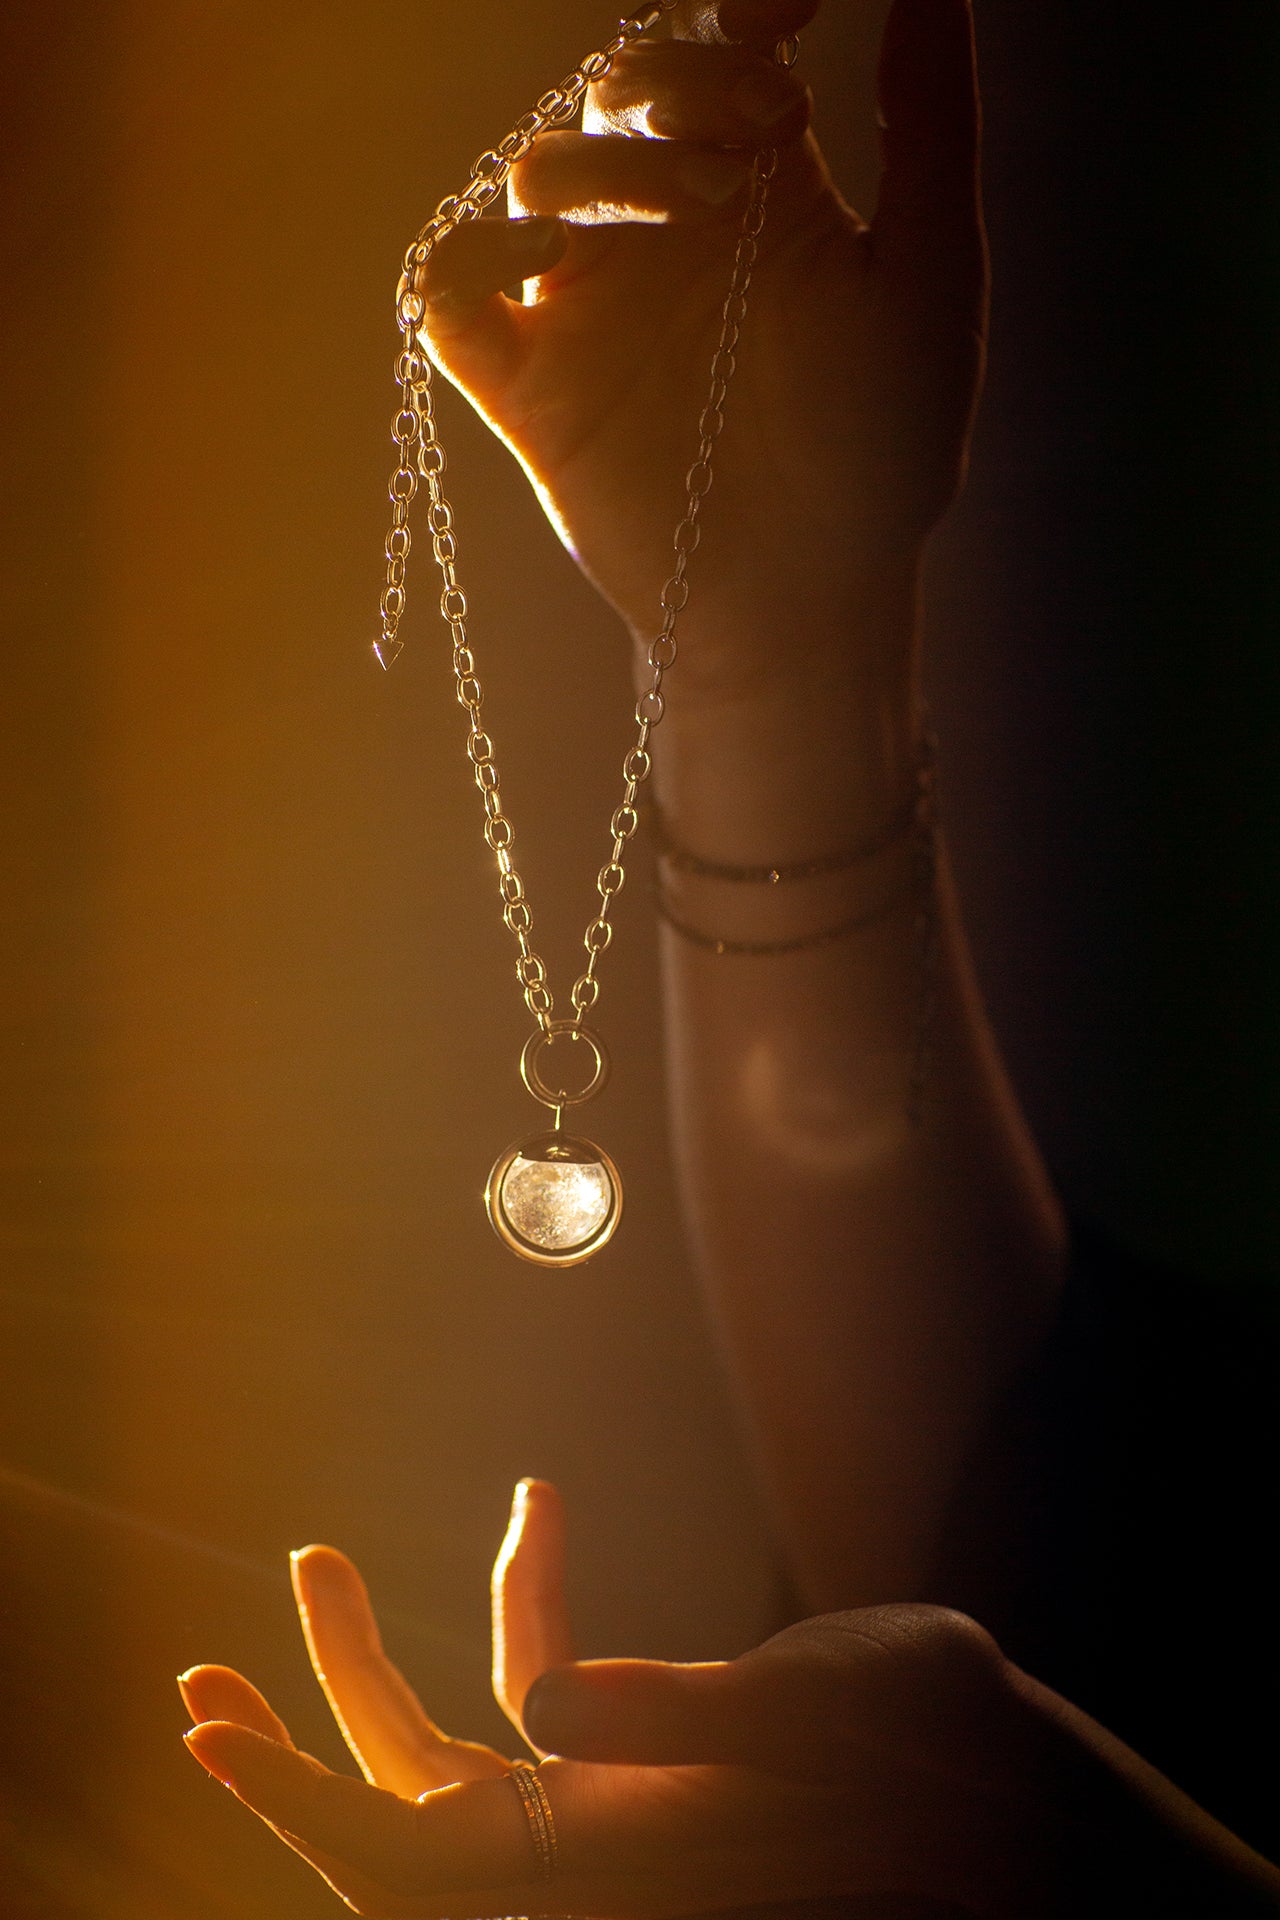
(941, 1636)
(838, 1684)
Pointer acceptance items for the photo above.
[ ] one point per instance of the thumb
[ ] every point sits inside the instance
(930, 123)
(646, 1712)
(471, 330)
(808, 1704)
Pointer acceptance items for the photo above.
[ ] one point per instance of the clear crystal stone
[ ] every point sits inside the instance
(554, 1203)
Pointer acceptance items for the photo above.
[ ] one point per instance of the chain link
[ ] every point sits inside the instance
(420, 461)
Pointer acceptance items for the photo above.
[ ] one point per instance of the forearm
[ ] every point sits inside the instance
(874, 1279)
(1116, 1838)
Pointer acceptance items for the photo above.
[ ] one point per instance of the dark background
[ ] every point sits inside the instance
(258, 1022)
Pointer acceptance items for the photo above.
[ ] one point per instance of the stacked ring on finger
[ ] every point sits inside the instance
(542, 1827)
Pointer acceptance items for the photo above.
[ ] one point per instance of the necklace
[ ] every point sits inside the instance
(556, 1197)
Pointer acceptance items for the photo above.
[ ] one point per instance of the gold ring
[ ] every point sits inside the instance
(537, 1809)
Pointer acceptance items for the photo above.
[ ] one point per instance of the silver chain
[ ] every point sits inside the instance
(420, 458)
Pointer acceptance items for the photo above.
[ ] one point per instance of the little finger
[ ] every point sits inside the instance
(474, 1835)
(219, 1693)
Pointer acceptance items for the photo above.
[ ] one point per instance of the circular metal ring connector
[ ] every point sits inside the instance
(578, 1037)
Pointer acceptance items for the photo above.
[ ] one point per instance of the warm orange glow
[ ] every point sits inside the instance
(266, 1031)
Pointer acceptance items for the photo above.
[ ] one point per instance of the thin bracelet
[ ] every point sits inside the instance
(684, 860)
(922, 889)
(922, 819)
(766, 949)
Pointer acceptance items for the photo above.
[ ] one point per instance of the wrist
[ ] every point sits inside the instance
(786, 742)
(779, 906)
(1125, 1839)
(797, 776)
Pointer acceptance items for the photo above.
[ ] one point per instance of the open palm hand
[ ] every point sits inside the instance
(836, 1760)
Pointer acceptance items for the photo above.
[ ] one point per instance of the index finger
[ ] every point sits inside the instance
(530, 1619)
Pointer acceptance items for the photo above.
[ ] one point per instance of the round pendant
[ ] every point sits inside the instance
(554, 1199)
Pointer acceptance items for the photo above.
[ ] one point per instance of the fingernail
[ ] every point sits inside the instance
(520, 1498)
(556, 1712)
(765, 98)
(310, 1560)
(189, 1741)
(539, 233)
(713, 177)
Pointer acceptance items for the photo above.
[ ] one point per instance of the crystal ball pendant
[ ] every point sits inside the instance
(555, 1199)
